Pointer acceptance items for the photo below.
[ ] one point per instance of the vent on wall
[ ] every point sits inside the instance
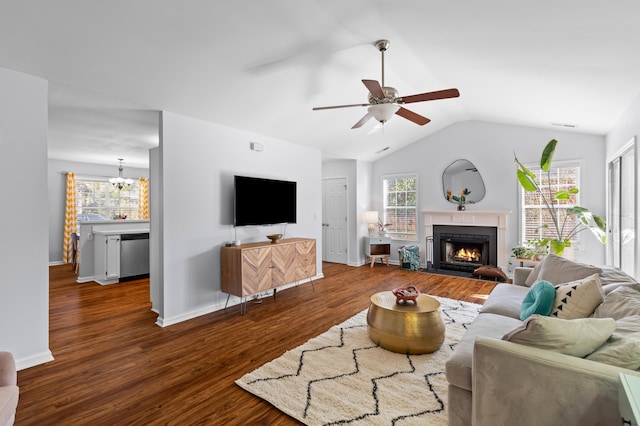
(255, 146)
(564, 125)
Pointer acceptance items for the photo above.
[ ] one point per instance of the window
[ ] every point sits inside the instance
(97, 199)
(400, 198)
(534, 216)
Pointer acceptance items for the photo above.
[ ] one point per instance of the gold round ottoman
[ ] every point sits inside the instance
(408, 328)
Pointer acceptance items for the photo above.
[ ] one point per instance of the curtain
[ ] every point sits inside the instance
(143, 203)
(70, 218)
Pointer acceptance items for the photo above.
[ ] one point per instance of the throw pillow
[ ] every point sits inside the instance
(577, 337)
(622, 349)
(490, 271)
(539, 300)
(578, 299)
(620, 303)
(533, 275)
(557, 270)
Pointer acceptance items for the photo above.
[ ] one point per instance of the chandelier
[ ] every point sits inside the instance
(120, 182)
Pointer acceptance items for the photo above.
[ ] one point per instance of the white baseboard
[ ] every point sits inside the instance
(165, 322)
(33, 360)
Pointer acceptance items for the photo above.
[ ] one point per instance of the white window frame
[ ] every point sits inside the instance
(576, 242)
(111, 209)
(384, 218)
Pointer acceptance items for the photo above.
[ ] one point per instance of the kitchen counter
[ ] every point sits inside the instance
(120, 231)
(102, 228)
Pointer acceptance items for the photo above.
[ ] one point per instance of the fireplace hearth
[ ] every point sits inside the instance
(464, 248)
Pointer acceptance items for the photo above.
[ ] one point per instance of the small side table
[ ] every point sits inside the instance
(523, 261)
(629, 399)
(378, 248)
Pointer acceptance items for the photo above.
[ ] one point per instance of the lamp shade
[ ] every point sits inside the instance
(371, 217)
(383, 112)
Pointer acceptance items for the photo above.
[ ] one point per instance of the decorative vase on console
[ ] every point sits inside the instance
(461, 198)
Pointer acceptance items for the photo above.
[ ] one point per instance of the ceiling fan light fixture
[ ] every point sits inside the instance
(383, 112)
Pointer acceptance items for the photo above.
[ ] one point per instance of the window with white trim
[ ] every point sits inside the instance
(400, 201)
(97, 199)
(533, 212)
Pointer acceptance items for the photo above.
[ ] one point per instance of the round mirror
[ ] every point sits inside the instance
(462, 178)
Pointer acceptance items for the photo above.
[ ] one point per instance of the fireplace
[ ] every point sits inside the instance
(464, 248)
(496, 219)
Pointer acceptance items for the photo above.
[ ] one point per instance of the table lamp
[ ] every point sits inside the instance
(371, 217)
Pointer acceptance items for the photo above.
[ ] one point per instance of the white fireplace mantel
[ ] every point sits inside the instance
(496, 218)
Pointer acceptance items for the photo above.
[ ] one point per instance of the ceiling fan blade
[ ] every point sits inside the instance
(412, 116)
(340, 106)
(363, 120)
(374, 88)
(430, 96)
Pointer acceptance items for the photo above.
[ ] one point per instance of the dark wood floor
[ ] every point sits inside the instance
(113, 365)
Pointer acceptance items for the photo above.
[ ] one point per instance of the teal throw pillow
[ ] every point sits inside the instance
(539, 300)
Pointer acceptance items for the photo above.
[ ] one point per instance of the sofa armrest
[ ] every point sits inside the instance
(520, 274)
(9, 392)
(518, 384)
(8, 375)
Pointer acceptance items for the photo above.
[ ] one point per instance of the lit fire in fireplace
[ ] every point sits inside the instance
(467, 255)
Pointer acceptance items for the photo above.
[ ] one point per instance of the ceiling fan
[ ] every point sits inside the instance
(384, 101)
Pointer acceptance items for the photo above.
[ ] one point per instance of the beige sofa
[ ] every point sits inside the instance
(498, 382)
(8, 389)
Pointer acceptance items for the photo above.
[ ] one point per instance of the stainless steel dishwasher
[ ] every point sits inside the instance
(134, 254)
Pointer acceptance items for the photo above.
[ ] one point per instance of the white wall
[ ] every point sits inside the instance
(198, 161)
(24, 276)
(490, 147)
(57, 189)
(626, 129)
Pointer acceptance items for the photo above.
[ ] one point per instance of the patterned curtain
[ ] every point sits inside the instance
(70, 218)
(143, 203)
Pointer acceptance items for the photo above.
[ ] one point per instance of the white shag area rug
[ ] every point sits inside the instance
(342, 377)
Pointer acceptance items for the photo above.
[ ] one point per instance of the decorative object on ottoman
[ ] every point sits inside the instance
(275, 238)
(405, 328)
(405, 294)
(409, 257)
(490, 271)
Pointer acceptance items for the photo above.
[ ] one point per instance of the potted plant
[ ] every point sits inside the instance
(521, 252)
(461, 198)
(539, 248)
(562, 231)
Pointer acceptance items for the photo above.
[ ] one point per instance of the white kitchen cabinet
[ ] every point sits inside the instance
(107, 258)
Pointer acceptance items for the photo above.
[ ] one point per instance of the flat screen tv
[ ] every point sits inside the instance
(260, 201)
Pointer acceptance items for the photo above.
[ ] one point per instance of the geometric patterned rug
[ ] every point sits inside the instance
(342, 377)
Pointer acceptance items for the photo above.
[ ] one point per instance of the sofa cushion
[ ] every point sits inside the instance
(622, 349)
(558, 270)
(578, 337)
(505, 299)
(621, 302)
(612, 277)
(539, 300)
(578, 299)
(458, 366)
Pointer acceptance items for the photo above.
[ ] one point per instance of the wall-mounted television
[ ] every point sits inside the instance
(260, 201)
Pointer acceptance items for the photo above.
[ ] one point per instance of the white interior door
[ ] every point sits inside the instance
(334, 220)
(622, 217)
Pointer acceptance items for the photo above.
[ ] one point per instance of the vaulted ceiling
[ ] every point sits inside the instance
(262, 65)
